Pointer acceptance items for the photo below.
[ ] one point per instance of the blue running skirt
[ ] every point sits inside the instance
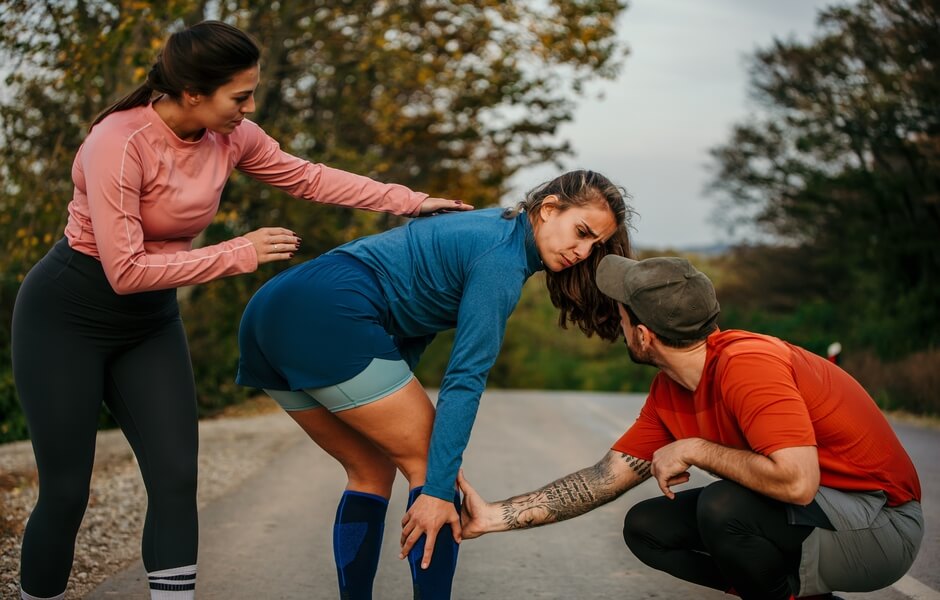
(315, 325)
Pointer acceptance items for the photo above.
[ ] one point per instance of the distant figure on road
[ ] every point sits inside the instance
(96, 320)
(335, 340)
(833, 352)
(815, 494)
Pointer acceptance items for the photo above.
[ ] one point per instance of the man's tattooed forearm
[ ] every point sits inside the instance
(565, 498)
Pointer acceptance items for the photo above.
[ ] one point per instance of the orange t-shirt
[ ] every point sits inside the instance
(760, 393)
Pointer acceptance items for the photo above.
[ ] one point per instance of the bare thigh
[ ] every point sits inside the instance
(371, 441)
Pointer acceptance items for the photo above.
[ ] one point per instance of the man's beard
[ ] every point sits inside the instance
(638, 358)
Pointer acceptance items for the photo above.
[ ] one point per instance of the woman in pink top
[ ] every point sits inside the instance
(97, 319)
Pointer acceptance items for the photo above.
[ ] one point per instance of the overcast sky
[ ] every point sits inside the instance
(680, 90)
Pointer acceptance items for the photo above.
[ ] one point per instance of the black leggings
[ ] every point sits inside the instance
(723, 536)
(75, 344)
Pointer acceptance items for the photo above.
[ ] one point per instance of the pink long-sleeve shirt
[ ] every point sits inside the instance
(142, 195)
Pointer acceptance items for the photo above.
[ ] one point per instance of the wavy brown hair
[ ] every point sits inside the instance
(573, 290)
(199, 59)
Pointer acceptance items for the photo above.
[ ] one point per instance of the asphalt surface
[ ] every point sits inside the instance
(270, 538)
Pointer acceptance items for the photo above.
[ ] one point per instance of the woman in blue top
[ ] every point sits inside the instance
(344, 331)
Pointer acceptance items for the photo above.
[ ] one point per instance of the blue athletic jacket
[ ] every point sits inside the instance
(458, 270)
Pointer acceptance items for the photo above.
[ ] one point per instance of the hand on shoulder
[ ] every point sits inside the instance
(436, 206)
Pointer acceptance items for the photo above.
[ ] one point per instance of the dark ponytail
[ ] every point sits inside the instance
(139, 97)
(199, 59)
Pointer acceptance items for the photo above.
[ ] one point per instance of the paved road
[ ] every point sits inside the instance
(271, 537)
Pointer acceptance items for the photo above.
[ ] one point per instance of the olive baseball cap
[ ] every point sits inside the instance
(667, 294)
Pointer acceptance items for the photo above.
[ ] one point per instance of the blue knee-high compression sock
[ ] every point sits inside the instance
(357, 542)
(434, 583)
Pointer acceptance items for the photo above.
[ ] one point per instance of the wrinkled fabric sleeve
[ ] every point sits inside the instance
(489, 297)
(113, 179)
(648, 433)
(262, 158)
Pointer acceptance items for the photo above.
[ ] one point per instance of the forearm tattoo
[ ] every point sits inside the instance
(573, 494)
(640, 467)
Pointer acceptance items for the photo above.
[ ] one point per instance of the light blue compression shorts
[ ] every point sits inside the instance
(378, 380)
(315, 335)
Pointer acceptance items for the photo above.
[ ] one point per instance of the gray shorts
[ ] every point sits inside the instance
(885, 539)
(379, 379)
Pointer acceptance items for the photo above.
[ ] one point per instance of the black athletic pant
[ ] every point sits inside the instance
(722, 536)
(77, 344)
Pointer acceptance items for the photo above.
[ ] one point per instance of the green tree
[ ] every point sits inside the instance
(447, 96)
(842, 162)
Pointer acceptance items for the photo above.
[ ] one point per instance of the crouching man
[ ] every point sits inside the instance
(815, 492)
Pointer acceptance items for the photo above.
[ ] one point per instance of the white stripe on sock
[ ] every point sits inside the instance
(174, 583)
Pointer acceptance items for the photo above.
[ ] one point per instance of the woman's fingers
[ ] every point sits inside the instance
(429, 541)
(273, 243)
(406, 527)
(436, 206)
(409, 538)
(428, 516)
